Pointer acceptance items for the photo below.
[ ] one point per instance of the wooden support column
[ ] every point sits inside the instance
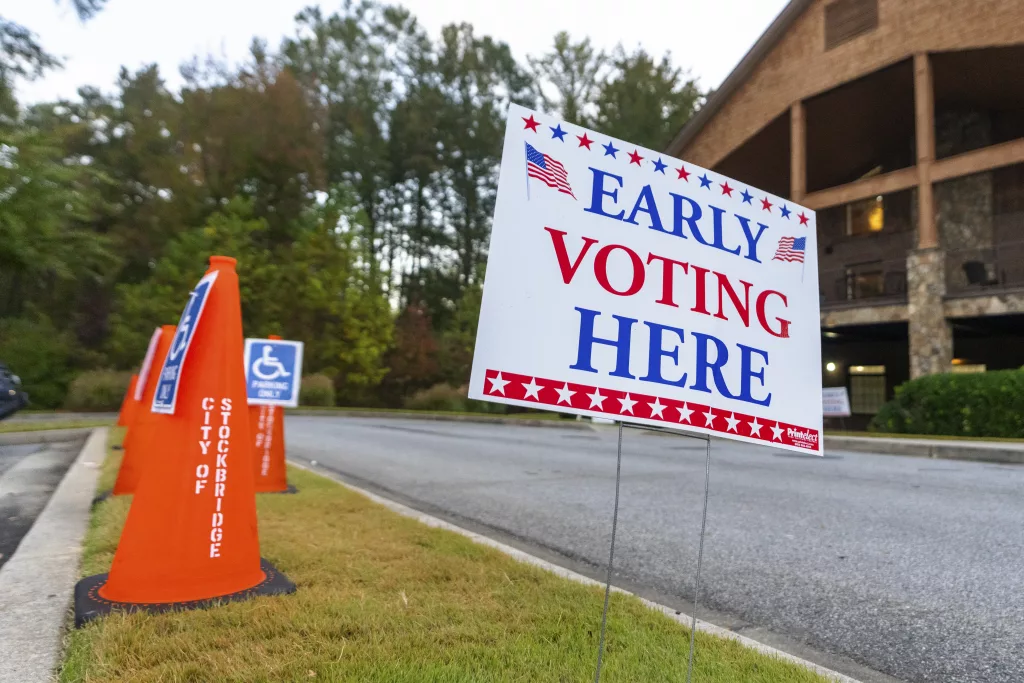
(797, 153)
(924, 110)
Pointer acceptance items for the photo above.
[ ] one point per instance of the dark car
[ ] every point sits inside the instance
(12, 398)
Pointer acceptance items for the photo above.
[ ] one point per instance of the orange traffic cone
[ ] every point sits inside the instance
(190, 538)
(143, 437)
(267, 425)
(128, 404)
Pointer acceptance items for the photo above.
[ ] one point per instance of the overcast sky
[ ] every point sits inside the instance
(706, 36)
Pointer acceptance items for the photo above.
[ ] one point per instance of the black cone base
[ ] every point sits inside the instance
(89, 605)
(291, 489)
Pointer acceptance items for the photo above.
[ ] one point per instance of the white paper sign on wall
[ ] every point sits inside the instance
(622, 283)
(835, 402)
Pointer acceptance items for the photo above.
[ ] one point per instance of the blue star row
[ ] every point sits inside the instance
(610, 150)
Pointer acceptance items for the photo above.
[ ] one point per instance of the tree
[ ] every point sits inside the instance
(22, 57)
(334, 301)
(46, 254)
(412, 360)
(352, 172)
(478, 78)
(254, 135)
(455, 350)
(646, 102)
(316, 288)
(348, 63)
(86, 9)
(159, 299)
(572, 71)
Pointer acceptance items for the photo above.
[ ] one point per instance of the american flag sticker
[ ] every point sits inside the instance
(791, 249)
(547, 170)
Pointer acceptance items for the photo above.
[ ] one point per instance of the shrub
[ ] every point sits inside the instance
(444, 397)
(39, 354)
(97, 390)
(438, 397)
(316, 390)
(486, 406)
(984, 404)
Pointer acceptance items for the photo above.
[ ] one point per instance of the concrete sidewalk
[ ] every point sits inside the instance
(36, 584)
(1007, 452)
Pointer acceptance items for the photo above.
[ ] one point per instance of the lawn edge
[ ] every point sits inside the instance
(679, 617)
(37, 582)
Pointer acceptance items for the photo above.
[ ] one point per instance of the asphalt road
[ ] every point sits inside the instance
(865, 563)
(28, 476)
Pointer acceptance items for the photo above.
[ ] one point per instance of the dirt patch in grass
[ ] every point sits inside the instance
(383, 598)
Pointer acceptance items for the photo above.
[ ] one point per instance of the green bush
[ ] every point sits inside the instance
(438, 397)
(97, 390)
(984, 404)
(39, 354)
(444, 397)
(316, 390)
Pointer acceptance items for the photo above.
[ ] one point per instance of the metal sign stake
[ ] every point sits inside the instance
(700, 556)
(611, 558)
(611, 551)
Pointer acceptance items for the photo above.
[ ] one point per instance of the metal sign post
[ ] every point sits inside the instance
(611, 551)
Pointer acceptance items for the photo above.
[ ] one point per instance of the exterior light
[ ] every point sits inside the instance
(830, 366)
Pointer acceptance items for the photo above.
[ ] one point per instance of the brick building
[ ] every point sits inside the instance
(901, 122)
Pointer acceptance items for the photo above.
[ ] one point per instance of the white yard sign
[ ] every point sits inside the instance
(624, 284)
(835, 402)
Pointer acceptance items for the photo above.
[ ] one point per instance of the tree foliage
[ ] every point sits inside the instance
(352, 171)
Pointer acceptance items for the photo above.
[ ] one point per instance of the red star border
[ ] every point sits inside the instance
(624, 405)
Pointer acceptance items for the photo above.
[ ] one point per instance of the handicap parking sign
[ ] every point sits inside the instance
(166, 395)
(273, 371)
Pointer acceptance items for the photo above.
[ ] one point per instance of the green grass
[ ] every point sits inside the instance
(936, 437)
(398, 412)
(46, 425)
(382, 598)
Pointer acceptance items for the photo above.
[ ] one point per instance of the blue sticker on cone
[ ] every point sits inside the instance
(166, 394)
(273, 371)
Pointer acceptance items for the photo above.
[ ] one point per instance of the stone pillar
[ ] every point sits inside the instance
(797, 153)
(931, 335)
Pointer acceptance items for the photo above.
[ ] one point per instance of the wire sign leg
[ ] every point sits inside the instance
(700, 556)
(611, 559)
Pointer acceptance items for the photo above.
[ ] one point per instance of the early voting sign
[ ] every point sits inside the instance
(273, 371)
(166, 394)
(622, 283)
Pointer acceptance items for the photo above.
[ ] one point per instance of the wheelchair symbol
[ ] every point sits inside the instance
(266, 360)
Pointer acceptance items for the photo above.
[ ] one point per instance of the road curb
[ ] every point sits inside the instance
(55, 435)
(976, 451)
(437, 417)
(36, 584)
(680, 617)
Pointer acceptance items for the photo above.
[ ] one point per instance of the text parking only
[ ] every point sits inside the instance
(273, 372)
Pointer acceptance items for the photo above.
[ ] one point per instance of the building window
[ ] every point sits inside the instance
(865, 217)
(867, 388)
(959, 367)
(847, 19)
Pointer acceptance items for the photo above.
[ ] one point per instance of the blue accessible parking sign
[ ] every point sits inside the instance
(166, 394)
(273, 371)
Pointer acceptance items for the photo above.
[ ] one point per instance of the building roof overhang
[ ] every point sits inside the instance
(768, 40)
